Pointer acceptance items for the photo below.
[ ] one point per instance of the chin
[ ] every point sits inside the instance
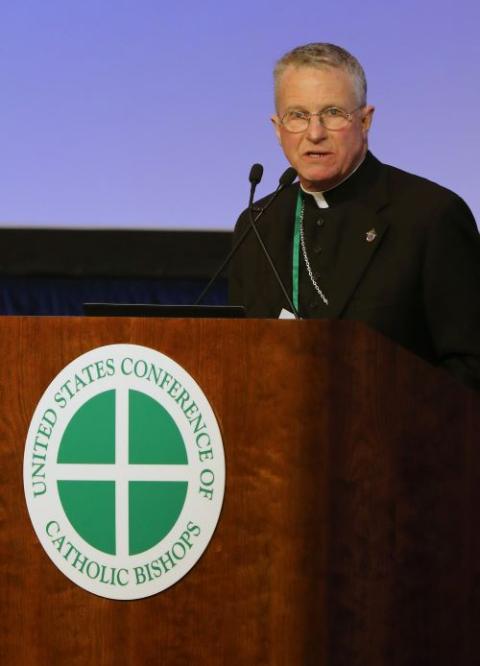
(319, 183)
(319, 179)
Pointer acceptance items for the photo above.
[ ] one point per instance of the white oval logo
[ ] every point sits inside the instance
(124, 471)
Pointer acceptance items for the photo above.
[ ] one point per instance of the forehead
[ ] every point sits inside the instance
(315, 87)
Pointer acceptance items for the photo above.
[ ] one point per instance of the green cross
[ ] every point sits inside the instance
(123, 472)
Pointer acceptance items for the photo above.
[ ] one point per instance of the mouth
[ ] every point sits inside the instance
(316, 155)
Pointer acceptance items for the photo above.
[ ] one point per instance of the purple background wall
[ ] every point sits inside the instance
(140, 113)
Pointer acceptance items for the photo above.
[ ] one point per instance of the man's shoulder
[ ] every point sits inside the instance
(416, 200)
(405, 183)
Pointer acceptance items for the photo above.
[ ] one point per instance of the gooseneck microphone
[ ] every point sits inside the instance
(287, 178)
(256, 173)
(255, 176)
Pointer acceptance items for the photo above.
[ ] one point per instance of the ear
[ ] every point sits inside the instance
(276, 123)
(367, 117)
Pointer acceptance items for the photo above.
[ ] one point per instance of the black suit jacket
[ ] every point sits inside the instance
(418, 281)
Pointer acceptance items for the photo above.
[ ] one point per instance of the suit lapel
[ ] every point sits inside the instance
(364, 231)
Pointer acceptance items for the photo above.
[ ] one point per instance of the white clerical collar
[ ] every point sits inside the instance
(319, 196)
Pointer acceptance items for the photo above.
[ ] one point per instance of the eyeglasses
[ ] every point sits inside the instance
(331, 118)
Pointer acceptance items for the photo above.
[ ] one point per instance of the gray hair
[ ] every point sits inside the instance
(319, 55)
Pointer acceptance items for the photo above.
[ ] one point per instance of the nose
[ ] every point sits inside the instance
(315, 130)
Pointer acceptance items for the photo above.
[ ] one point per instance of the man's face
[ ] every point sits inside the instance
(322, 157)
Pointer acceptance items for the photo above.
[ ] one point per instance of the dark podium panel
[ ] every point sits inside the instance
(349, 533)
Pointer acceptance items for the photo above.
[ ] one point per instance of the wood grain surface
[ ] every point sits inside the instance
(349, 533)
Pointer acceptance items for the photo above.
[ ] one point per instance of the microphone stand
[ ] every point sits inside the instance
(269, 259)
(286, 178)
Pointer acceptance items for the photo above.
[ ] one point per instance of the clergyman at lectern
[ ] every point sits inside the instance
(355, 238)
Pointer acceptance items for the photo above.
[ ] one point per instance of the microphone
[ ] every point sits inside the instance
(255, 176)
(256, 173)
(287, 178)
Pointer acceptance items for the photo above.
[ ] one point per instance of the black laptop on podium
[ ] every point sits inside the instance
(157, 310)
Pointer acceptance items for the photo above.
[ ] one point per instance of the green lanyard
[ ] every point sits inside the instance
(296, 247)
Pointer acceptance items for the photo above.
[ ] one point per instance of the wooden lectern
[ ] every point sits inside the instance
(349, 533)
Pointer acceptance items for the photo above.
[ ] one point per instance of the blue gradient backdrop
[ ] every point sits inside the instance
(122, 113)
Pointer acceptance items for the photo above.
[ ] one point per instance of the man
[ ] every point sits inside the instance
(357, 239)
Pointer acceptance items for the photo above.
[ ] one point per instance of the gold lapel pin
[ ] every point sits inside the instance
(371, 235)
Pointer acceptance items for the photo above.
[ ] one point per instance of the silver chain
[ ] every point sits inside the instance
(305, 257)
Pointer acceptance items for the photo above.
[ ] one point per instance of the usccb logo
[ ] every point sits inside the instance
(124, 471)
